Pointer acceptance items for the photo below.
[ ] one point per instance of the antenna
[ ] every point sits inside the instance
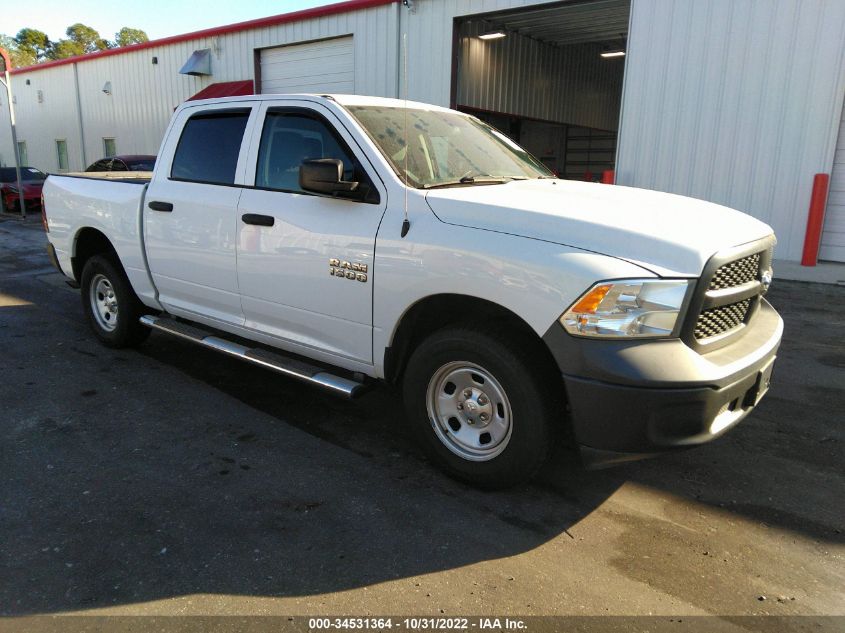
(406, 223)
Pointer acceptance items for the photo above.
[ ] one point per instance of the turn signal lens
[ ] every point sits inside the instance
(590, 301)
(628, 308)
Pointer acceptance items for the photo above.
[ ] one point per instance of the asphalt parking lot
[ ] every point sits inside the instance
(170, 480)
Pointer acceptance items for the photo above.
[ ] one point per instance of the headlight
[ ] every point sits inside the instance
(628, 308)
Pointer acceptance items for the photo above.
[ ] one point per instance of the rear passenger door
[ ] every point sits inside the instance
(190, 222)
(292, 269)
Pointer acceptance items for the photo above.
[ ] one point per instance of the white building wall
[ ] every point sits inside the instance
(39, 124)
(733, 101)
(144, 95)
(833, 236)
(736, 102)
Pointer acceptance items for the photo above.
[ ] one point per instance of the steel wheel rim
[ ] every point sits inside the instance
(469, 411)
(103, 302)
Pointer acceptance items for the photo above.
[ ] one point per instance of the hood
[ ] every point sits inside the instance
(668, 234)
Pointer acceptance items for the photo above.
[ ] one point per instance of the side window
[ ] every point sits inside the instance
(209, 146)
(61, 154)
(288, 139)
(23, 156)
(118, 165)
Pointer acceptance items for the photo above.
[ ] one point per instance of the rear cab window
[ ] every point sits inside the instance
(209, 146)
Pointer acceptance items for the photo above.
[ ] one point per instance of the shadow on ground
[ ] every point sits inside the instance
(136, 475)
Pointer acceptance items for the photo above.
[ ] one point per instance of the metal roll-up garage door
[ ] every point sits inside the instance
(833, 237)
(327, 66)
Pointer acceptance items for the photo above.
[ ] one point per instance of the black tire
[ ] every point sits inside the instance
(126, 330)
(535, 407)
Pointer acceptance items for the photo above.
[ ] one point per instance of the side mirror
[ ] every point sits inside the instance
(325, 175)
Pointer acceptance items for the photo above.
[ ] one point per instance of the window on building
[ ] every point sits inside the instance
(109, 147)
(22, 155)
(288, 139)
(209, 146)
(61, 154)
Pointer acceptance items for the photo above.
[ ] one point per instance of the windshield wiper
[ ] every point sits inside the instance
(471, 180)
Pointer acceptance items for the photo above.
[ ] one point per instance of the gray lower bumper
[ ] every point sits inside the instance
(630, 400)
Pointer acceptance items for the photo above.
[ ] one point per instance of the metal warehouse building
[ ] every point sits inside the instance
(739, 102)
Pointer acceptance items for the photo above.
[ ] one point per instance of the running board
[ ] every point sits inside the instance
(287, 366)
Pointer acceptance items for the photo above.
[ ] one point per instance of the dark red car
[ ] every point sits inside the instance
(32, 180)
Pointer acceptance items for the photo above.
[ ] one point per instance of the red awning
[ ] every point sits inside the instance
(225, 89)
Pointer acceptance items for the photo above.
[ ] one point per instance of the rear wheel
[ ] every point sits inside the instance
(480, 407)
(110, 304)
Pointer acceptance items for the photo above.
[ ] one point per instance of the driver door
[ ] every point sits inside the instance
(295, 248)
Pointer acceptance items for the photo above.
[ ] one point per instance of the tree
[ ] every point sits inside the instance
(81, 39)
(33, 44)
(128, 36)
(88, 38)
(18, 57)
(66, 48)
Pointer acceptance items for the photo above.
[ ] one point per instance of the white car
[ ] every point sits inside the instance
(345, 239)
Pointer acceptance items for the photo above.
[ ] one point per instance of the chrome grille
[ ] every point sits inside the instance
(736, 273)
(722, 319)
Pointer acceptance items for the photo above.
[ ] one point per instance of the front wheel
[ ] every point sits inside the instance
(110, 304)
(480, 407)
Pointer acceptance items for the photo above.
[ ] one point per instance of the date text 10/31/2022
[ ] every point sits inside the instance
(417, 623)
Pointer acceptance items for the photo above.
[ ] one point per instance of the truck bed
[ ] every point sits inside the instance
(108, 205)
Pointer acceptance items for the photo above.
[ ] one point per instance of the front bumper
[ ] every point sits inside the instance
(633, 399)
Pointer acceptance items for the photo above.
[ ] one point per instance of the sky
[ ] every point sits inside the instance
(159, 18)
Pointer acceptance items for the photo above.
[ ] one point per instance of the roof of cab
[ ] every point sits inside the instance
(341, 99)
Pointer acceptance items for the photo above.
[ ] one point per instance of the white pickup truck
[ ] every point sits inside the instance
(345, 239)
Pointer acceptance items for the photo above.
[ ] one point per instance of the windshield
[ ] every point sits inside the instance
(7, 174)
(141, 165)
(446, 148)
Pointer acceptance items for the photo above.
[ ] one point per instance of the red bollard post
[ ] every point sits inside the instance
(608, 177)
(815, 220)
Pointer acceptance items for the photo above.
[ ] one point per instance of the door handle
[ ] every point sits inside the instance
(155, 205)
(258, 219)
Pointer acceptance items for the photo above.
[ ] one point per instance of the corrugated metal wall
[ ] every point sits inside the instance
(144, 95)
(736, 102)
(523, 76)
(42, 120)
(833, 237)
